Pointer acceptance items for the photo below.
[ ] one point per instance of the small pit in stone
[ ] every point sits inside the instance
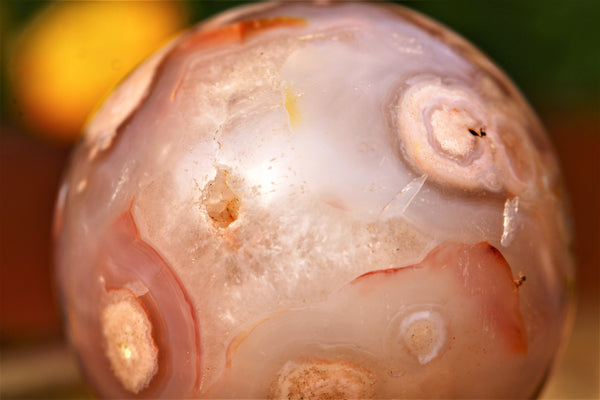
(222, 205)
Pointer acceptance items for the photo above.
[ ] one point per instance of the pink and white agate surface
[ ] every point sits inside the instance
(315, 201)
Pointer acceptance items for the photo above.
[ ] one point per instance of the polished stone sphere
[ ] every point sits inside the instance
(315, 201)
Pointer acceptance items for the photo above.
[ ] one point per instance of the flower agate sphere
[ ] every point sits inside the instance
(315, 201)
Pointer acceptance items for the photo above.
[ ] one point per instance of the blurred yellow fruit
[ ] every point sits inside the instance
(73, 53)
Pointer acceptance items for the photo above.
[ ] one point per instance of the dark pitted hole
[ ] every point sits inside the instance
(222, 205)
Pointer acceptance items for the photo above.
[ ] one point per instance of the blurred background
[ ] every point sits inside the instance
(60, 59)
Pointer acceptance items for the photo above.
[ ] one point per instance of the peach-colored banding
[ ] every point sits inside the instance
(237, 32)
(127, 223)
(237, 341)
(513, 325)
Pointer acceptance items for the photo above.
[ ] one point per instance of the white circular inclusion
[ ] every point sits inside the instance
(448, 128)
(323, 379)
(424, 334)
(130, 347)
(442, 132)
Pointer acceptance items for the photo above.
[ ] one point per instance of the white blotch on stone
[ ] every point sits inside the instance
(324, 380)
(434, 122)
(130, 347)
(424, 334)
